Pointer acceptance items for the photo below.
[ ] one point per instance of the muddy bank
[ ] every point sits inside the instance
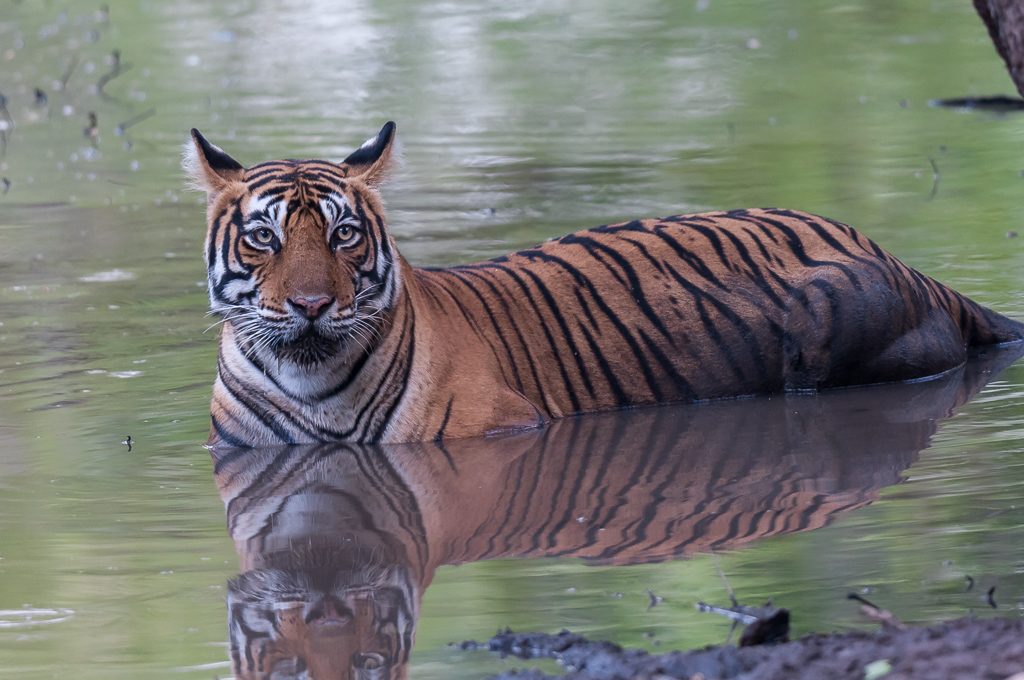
(963, 648)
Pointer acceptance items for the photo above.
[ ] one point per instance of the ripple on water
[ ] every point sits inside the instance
(30, 617)
(108, 276)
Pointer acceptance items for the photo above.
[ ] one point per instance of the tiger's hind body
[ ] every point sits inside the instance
(348, 342)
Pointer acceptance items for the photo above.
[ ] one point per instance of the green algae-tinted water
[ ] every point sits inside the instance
(518, 123)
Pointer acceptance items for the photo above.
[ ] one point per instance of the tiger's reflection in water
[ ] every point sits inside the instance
(338, 542)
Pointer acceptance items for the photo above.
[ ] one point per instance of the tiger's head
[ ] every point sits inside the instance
(329, 588)
(315, 614)
(299, 261)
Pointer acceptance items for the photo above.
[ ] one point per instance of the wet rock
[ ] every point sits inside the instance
(767, 630)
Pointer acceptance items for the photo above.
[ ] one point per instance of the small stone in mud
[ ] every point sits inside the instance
(767, 630)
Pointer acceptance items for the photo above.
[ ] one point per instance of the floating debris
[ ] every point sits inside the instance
(92, 130)
(996, 104)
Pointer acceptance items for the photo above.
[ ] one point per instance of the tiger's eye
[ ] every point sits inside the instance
(345, 235)
(263, 236)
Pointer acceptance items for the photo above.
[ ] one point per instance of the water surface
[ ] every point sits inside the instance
(518, 123)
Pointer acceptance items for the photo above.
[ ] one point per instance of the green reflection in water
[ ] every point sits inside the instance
(519, 123)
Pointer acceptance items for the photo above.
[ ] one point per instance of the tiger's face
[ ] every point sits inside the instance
(321, 623)
(298, 258)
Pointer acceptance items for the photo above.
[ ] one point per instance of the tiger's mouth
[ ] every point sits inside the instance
(303, 341)
(311, 346)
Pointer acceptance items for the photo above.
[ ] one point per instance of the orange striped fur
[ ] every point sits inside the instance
(330, 335)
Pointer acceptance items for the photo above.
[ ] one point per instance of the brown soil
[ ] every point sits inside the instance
(972, 648)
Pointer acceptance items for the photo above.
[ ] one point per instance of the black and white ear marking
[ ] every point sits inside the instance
(372, 148)
(208, 167)
(372, 161)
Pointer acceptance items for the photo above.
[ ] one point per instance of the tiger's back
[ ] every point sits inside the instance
(705, 306)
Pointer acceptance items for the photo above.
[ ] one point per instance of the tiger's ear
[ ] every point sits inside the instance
(374, 160)
(209, 169)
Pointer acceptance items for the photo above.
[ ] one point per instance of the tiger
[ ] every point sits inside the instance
(338, 542)
(330, 335)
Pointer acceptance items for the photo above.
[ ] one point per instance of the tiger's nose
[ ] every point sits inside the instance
(310, 306)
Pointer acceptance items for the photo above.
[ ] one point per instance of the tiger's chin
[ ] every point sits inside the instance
(310, 348)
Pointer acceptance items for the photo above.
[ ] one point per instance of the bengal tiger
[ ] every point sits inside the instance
(338, 542)
(330, 335)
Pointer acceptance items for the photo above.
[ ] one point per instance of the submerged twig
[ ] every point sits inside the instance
(764, 625)
(6, 124)
(876, 613)
(731, 613)
(936, 175)
(134, 120)
(63, 82)
(725, 582)
(116, 69)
